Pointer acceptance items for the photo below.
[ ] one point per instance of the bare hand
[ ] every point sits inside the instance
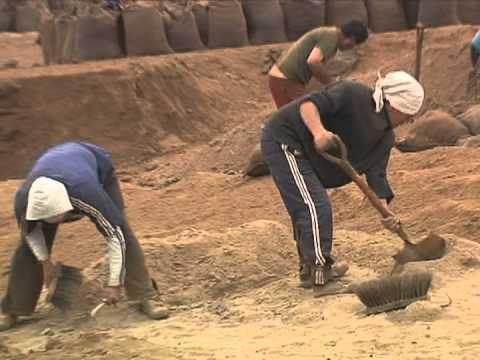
(112, 294)
(325, 142)
(50, 272)
(392, 223)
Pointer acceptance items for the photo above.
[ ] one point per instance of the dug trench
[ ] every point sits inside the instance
(219, 244)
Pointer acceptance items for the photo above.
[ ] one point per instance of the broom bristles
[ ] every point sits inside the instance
(393, 292)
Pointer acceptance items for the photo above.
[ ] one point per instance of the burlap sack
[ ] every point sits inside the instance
(47, 37)
(471, 119)
(227, 26)
(27, 18)
(386, 15)
(469, 11)
(95, 37)
(342, 11)
(432, 13)
(144, 32)
(182, 33)
(65, 28)
(200, 11)
(434, 128)
(57, 39)
(302, 16)
(56, 5)
(470, 142)
(411, 11)
(256, 165)
(7, 18)
(265, 22)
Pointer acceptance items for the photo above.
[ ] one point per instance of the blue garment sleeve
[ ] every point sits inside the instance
(476, 41)
(93, 201)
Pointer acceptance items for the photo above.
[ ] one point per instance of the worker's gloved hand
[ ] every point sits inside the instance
(327, 142)
(50, 271)
(112, 294)
(392, 223)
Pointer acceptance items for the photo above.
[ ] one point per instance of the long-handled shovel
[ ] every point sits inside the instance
(431, 248)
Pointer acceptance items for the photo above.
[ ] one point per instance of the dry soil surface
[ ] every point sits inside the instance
(219, 244)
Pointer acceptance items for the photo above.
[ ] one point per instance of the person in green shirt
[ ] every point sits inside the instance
(306, 58)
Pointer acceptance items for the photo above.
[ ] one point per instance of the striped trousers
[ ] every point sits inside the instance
(306, 200)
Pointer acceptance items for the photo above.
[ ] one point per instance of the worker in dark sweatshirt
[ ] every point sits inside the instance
(67, 182)
(294, 137)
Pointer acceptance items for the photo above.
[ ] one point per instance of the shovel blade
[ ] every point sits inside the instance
(432, 247)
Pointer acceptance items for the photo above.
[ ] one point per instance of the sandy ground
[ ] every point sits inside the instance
(218, 243)
(20, 50)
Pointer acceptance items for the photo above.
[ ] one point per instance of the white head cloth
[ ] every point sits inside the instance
(47, 198)
(403, 92)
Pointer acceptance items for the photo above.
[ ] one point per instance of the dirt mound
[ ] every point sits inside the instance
(164, 104)
(199, 265)
(471, 119)
(434, 128)
(136, 109)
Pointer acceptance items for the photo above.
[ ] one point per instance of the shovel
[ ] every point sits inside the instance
(431, 248)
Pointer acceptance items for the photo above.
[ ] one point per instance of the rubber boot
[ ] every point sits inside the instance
(323, 275)
(338, 270)
(305, 276)
(155, 310)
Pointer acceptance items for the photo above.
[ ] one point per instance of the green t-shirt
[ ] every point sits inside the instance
(293, 63)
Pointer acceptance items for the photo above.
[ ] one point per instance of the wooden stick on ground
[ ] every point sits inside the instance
(418, 59)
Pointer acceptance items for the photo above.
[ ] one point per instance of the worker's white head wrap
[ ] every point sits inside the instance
(402, 91)
(47, 198)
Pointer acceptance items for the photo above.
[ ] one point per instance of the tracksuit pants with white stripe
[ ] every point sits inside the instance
(306, 200)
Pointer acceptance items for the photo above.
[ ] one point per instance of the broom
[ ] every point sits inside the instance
(64, 288)
(388, 293)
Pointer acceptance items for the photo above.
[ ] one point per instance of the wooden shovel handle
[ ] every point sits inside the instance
(378, 204)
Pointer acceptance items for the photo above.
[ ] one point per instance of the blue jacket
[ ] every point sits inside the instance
(86, 170)
(476, 41)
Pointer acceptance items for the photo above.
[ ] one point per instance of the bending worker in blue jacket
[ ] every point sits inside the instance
(67, 182)
(293, 137)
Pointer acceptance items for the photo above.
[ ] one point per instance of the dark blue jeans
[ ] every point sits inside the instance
(305, 198)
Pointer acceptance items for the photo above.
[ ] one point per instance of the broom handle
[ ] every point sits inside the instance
(378, 204)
